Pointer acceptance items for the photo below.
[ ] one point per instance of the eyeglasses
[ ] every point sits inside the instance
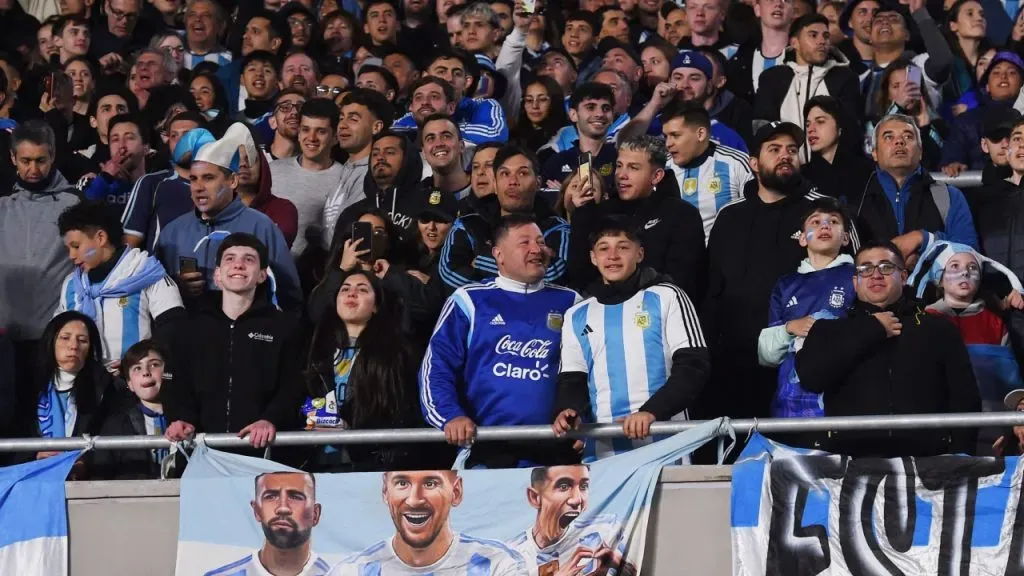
(298, 21)
(119, 15)
(324, 90)
(868, 270)
(288, 107)
(175, 49)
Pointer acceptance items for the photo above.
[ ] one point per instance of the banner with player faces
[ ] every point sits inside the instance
(247, 516)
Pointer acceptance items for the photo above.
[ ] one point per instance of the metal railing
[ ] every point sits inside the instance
(536, 433)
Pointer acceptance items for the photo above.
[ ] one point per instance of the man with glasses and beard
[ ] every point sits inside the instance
(285, 123)
(558, 540)
(754, 242)
(287, 510)
(420, 505)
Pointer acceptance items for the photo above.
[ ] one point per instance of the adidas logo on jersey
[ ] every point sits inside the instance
(497, 321)
(566, 169)
(792, 302)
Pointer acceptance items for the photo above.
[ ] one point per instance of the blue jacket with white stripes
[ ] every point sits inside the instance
(480, 120)
(466, 254)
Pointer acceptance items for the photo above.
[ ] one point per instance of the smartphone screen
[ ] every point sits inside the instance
(364, 231)
(914, 75)
(585, 171)
(187, 265)
(48, 86)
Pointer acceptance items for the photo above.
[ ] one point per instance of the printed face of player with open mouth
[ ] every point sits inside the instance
(420, 504)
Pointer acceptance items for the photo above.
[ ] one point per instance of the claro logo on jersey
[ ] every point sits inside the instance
(536, 349)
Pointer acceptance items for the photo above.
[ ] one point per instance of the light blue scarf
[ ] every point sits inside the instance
(57, 413)
(85, 293)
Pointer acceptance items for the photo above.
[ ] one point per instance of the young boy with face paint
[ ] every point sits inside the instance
(822, 287)
(983, 321)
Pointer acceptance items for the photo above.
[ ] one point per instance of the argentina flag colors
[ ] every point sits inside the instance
(33, 517)
(801, 513)
(243, 516)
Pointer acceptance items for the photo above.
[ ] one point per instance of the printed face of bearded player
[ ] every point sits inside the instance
(536, 349)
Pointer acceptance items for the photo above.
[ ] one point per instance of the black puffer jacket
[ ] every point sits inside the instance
(861, 371)
(999, 220)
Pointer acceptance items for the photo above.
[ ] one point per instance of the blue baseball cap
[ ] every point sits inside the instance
(694, 59)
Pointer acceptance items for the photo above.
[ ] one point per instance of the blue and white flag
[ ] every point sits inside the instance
(243, 516)
(34, 518)
(800, 513)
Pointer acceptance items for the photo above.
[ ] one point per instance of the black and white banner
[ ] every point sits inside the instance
(802, 513)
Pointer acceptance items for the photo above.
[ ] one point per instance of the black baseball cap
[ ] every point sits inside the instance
(997, 122)
(772, 129)
(437, 206)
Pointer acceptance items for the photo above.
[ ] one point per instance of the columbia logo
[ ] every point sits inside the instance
(261, 337)
(792, 302)
(497, 321)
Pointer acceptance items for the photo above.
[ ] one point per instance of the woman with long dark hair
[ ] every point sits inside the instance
(965, 31)
(74, 388)
(542, 113)
(361, 374)
(211, 99)
(898, 95)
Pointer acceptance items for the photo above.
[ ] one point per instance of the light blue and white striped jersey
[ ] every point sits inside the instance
(626, 351)
(603, 531)
(220, 58)
(712, 180)
(124, 321)
(467, 556)
(251, 566)
(760, 64)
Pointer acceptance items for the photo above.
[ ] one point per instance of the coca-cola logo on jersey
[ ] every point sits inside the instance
(536, 349)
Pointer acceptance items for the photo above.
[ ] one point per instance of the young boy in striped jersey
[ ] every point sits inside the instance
(633, 352)
(822, 287)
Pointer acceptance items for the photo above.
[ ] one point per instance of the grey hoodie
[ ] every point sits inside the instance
(33, 260)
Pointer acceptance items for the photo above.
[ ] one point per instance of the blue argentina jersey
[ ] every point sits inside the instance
(626, 351)
(251, 566)
(712, 180)
(467, 556)
(822, 294)
(603, 531)
(156, 200)
(568, 136)
(494, 354)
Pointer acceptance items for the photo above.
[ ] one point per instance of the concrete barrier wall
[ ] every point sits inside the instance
(131, 528)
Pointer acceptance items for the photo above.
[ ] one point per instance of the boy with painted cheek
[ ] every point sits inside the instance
(984, 324)
(821, 288)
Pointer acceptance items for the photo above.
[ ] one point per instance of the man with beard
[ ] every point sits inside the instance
(118, 176)
(690, 81)
(160, 197)
(480, 120)
(285, 123)
(287, 510)
(901, 201)
(300, 72)
(754, 242)
(420, 505)
(559, 494)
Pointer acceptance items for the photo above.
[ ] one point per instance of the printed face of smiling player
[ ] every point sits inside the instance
(559, 499)
(420, 504)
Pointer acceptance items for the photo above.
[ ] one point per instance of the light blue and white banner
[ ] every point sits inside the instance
(34, 518)
(801, 513)
(246, 516)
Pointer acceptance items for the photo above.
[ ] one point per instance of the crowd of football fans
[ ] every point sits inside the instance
(254, 217)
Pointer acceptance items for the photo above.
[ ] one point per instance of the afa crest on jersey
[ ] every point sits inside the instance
(555, 321)
(715, 186)
(837, 299)
(642, 320)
